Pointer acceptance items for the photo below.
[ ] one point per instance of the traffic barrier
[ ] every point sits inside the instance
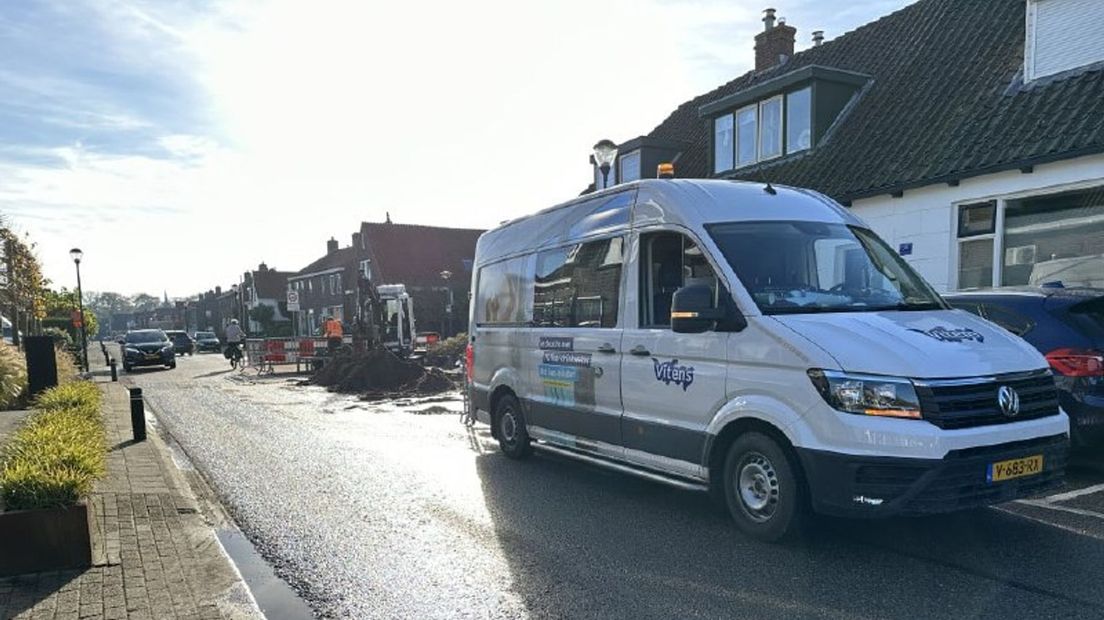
(267, 353)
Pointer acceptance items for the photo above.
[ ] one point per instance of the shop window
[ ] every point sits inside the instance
(975, 263)
(977, 219)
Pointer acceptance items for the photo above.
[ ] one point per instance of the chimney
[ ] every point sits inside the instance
(262, 267)
(331, 246)
(356, 240)
(775, 45)
(388, 218)
(818, 37)
(218, 290)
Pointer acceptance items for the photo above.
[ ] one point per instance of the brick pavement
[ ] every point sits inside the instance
(155, 554)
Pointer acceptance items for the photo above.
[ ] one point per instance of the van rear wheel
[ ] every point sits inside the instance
(513, 439)
(762, 490)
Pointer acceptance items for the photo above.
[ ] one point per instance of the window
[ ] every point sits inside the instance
(804, 267)
(1062, 35)
(1055, 238)
(975, 263)
(504, 292)
(629, 167)
(747, 123)
(799, 120)
(770, 128)
(669, 262)
(578, 286)
(722, 143)
(366, 269)
(1009, 319)
(977, 219)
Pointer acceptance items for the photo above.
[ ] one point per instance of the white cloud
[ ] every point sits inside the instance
(324, 114)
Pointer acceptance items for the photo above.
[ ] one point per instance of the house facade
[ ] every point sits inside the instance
(434, 263)
(969, 135)
(327, 286)
(265, 286)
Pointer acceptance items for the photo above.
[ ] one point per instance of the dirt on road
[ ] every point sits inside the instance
(379, 373)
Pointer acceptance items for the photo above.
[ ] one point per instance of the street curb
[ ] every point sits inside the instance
(239, 597)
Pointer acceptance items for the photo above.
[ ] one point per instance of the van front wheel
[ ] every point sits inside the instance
(510, 428)
(762, 490)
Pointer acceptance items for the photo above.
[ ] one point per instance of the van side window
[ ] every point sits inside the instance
(669, 261)
(579, 286)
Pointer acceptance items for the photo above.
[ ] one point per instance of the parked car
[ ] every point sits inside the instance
(756, 341)
(182, 342)
(1067, 326)
(148, 347)
(207, 341)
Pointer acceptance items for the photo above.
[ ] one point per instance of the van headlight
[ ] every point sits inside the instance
(892, 397)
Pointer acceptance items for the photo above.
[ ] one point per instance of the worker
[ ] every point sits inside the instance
(333, 333)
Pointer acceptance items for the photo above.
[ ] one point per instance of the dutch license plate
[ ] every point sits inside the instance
(151, 356)
(1015, 468)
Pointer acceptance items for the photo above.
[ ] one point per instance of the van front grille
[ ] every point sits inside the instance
(967, 403)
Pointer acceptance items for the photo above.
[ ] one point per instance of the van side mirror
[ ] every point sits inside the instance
(693, 310)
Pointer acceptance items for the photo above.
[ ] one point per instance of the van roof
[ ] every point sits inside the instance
(692, 203)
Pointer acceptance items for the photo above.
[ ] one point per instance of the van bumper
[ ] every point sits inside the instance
(865, 486)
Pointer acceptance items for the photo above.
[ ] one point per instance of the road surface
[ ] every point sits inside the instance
(399, 511)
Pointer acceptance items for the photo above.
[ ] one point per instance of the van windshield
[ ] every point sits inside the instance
(805, 267)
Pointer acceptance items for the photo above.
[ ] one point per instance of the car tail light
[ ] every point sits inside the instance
(469, 362)
(1077, 362)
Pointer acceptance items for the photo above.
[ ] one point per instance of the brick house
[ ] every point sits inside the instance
(327, 286)
(969, 135)
(421, 257)
(265, 286)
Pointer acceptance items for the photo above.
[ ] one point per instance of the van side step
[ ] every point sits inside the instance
(679, 483)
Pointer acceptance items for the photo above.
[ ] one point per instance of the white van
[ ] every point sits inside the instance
(757, 342)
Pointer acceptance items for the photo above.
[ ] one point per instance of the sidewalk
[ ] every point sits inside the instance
(155, 555)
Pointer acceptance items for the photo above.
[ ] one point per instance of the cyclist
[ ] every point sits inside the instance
(235, 337)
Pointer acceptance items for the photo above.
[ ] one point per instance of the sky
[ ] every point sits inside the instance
(181, 143)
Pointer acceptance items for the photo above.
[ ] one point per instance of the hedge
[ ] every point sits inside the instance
(56, 456)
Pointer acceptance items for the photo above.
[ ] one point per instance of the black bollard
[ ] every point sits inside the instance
(114, 369)
(137, 414)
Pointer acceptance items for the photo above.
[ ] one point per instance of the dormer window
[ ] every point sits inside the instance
(778, 117)
(1062, 35)
(799, 120)
(629, 167)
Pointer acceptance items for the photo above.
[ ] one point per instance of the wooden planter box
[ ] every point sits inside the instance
(44, 540)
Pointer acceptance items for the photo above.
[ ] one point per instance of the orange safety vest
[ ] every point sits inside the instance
(333, 328)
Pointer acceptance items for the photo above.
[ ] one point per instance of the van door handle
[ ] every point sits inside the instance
(640, 350)
(606, 348)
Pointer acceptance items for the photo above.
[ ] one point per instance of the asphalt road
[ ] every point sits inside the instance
(389, 511)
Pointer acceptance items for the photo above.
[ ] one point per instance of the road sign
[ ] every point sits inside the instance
(293, 301)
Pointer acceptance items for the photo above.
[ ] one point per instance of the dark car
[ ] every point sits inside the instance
(182, 342)
(207, 341)
(148, 347)
(1067, 326)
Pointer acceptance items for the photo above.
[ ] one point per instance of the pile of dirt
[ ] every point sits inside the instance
(380, 372)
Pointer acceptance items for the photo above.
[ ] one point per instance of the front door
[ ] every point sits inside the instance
(672, 384)
(576, 346)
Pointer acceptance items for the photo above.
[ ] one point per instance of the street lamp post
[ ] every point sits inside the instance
(446, 275)
(76, 255)
(605, 152)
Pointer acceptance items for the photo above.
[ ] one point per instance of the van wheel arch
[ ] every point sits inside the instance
(718, 451)
(496, 396)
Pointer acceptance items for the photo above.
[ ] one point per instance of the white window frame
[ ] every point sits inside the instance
(732, 155)
(736, 164)
(1002, 201)
(781, 128)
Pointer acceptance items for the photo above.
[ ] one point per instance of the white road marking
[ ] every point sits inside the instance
(1068, 495)
(1060, 526)
(1045, 504)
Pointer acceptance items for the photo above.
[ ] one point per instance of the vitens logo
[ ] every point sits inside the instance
(944, 334)
(673, 372)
